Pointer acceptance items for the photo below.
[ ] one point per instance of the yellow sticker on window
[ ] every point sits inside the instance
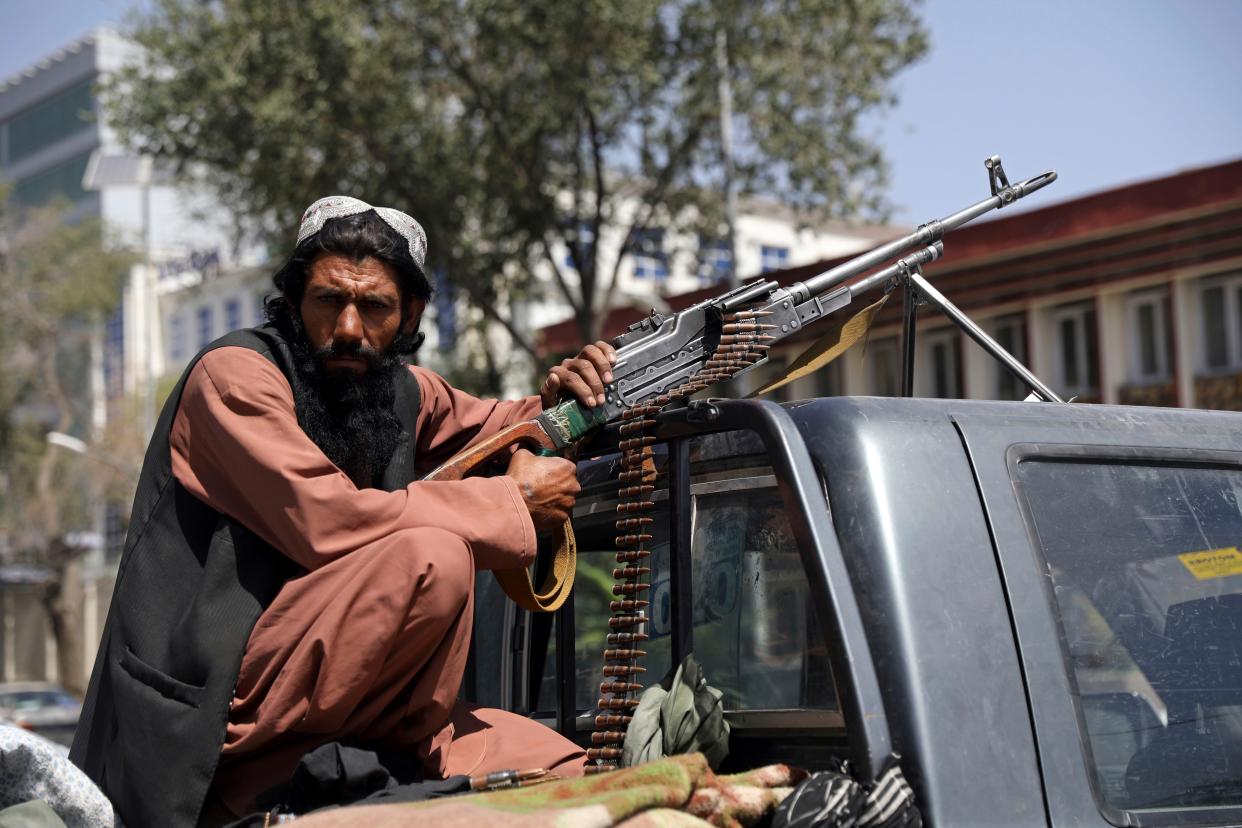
(1213, 563)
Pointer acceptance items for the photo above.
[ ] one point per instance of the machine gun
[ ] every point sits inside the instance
(666, 357)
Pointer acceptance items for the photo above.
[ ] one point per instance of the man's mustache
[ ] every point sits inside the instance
(350, 350)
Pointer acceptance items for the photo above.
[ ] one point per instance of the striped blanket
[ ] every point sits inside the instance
(677, 792)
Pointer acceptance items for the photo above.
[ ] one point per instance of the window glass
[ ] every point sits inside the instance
(1089, 348)
(1076, 346)
(114, 354)
(206, 326)
(445, 303)
(48, 122)
(1215, 338)
(827, 381)
(936, 371)
(1010, 335)
(232, 315)
(755, 631)
(1147, 333)
(1237, 324)
(650, 260)
(715, 260)
(63, 180)
(1069, 351)
(176, 337)
(772, 257)
(1146, 568)
(883, 356)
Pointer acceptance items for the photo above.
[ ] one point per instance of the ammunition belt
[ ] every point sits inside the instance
(742, 343)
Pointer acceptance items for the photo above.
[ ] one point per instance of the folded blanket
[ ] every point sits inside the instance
(677, 792)
(32, 768)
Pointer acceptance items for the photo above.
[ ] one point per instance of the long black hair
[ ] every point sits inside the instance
(357, 237)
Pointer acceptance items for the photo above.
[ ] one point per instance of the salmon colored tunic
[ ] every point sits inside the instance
(370, 644)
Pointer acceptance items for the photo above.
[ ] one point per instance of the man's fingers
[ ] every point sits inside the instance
(590, 374)
(599, 360)
(573, 383)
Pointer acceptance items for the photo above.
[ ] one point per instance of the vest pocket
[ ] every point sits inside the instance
(160, 682)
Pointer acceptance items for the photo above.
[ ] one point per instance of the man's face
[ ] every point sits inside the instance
(352, 311)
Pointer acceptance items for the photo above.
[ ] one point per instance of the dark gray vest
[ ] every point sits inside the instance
(190, 587)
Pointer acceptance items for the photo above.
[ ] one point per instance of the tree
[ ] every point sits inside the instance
(58, 279)
(512, 127)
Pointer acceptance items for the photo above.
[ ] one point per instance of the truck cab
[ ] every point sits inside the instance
(1037, 606)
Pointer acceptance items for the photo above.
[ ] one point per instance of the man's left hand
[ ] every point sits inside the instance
(583, 376)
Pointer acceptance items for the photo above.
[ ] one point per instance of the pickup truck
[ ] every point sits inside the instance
(1037, 606)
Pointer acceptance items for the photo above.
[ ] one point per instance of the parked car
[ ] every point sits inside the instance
(46, 709)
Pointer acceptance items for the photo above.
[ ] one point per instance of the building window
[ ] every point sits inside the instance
(445, 304)
(114, 354)
(773, 258)
(583, 240)
(176, 337)
(260, 309)
(715, 260)
(205, 325)
(232, 315)
(828, 381)
(63, 179)
(943, 378)
(650, 260)
(1148, 323)
(1010, 333)
(1075, 343)
(51, 121)
(884, 367)
(1221, 304)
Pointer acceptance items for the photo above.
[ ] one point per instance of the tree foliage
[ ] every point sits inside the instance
(512, 127)
(58, 280)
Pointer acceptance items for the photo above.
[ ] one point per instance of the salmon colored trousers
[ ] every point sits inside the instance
(370, 649)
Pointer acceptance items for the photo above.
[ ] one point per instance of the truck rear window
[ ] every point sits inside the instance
(1146, 566)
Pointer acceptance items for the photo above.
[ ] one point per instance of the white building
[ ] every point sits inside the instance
(768, 237)
(54, 144)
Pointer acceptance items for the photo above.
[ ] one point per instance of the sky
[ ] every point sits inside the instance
(1106, 92)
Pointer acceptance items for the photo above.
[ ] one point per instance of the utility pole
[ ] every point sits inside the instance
(725, 90)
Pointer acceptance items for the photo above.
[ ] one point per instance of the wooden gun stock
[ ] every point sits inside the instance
(517, 583)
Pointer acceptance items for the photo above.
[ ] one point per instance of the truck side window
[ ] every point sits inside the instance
(754, 626)
(1146, 569)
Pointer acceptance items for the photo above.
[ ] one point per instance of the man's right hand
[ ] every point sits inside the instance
(549, 485)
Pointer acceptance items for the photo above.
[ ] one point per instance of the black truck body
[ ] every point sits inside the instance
(1038, 606)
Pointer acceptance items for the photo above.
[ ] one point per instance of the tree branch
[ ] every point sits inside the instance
(650, 200)
(518, 338)
(561, 282)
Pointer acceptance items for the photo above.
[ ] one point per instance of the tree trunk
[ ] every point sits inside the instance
(62, 599)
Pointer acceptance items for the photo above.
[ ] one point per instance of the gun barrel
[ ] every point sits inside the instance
(925, 234)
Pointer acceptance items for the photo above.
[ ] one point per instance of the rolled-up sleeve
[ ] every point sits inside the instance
(237, 446)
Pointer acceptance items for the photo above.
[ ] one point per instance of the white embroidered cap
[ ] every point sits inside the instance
(339, 206)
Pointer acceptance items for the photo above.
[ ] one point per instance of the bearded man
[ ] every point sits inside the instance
(287, 581)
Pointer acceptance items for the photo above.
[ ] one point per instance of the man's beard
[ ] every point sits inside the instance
(351, 417)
